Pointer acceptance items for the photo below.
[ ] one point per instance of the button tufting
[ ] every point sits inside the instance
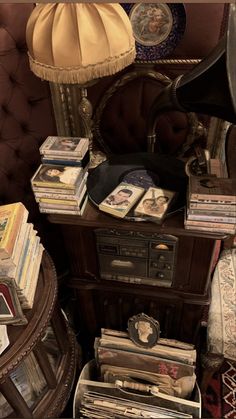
(5, 108)
(12, 78)
(24, 127)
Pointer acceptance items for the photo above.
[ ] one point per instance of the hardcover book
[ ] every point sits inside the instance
(121, 199)
(11, 218)
(154, 204)
(64, 146)
(212, 188)
(55, 176)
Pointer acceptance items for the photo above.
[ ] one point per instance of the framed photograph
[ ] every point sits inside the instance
(143, 330)
(5, 311)
(10, 308)
(157, 28)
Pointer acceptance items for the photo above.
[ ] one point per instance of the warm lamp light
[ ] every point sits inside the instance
(79, 42)
(76, 43)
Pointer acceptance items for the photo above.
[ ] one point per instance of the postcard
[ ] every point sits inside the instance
(155, 203)
(121, 199)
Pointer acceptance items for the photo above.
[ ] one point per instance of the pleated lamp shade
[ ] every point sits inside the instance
(79, 42)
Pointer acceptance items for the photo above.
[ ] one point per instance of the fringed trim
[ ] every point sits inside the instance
(81, 75)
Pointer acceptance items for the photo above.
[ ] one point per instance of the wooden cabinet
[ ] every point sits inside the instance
(107, 299)
(37, 369)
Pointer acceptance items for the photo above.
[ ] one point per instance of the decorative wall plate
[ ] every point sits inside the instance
(157, 28)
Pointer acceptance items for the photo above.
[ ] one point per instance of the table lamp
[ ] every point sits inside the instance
(76, 44)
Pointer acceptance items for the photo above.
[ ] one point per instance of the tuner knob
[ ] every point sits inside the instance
(167, 266)
(160, 275)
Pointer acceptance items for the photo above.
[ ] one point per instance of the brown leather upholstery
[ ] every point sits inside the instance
(121, 103)
(121, 117)
(26, 119)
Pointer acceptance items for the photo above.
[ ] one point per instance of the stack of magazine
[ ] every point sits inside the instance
(59, 184)
(20, 258)
(126, 380)
(211, 204)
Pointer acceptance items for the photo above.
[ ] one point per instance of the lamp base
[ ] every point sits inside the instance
(73, 115)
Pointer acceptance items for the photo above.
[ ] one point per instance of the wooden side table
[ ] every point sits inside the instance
(37, 370)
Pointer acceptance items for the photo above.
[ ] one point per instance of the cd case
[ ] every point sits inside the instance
(121, 199)
(155, 203)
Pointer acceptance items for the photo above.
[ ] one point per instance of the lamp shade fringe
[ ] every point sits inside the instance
(75, 43)
(82, 75)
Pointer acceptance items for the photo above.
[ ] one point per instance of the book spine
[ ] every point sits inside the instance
(31, 280)
(20, 266)
(32, 283)
(30, 252)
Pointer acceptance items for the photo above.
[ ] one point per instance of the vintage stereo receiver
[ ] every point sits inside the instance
(134, 257)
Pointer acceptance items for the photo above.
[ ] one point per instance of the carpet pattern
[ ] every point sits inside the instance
(220, 398)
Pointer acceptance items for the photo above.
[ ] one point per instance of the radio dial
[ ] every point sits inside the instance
(161, 257)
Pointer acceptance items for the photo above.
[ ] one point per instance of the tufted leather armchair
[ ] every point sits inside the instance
(26, 119)
(121, 103)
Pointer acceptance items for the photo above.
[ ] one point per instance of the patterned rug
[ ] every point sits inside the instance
(220, 398)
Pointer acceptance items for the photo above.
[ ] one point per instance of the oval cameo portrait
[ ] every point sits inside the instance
(143, 330)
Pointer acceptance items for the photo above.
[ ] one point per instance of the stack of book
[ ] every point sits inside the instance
(157, 382)
(59, 184)
(20, 259)
(211, 204)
